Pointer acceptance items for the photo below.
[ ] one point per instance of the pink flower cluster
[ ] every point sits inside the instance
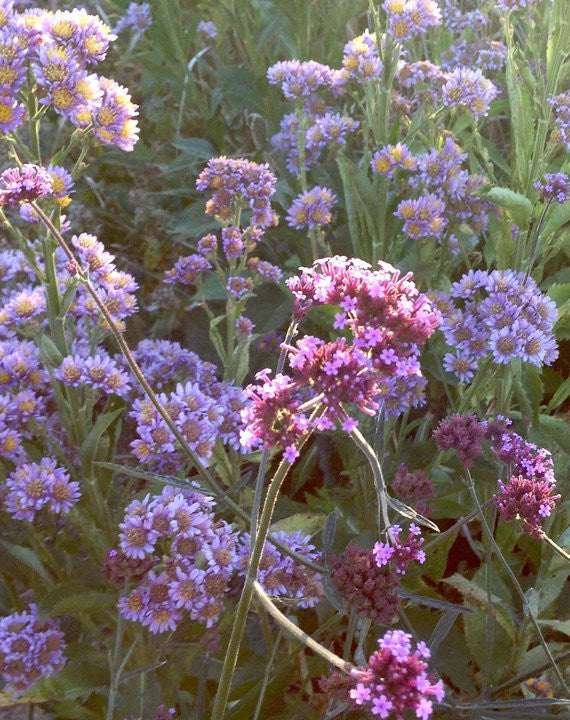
(388, 321)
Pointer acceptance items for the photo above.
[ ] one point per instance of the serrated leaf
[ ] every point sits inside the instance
(558, 216)
(333, 595)
(558, 429)
(478, 598)
(441, 630)
(551, 589)
(519, 206)
(559, 626)
(560, 293)
(476, 637)
(433, 602)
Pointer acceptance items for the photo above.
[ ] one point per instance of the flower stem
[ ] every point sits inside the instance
(515, 582)
(555, 547)
(299, 634)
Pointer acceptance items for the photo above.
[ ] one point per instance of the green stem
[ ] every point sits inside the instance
(555, 547)
(244, 603)
(514, 581)
(379, 482)
(298, 634)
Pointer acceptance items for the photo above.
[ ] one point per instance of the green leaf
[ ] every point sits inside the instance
(360, 198)
(557, 429)
(89, 447)
(561, 394)
(518, 206)
(84, 602)
(558, 216)
(27, 557)
(477, 597)
(151, 476)
(308, 523)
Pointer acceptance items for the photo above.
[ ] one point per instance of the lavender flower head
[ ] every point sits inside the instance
(30, 649)
(33, 486)
(137, 17)
(407, 18)
(470, 88)
(24, 184)
(528, 500)
(207, 28)
(500, 314)
(361, 59)
(396, 680)
(311, 209)
(239, 182)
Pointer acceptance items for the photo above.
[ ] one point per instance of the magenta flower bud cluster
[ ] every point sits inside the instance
(30, 649)
(24, 184)
(399, 553)
(396, 679)
(367, 588)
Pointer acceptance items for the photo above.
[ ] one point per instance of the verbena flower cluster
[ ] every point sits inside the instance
(280, 575)
(528, 493)
(414, 488)
(396, 679)
(399, 553)
(34, 486)
(387, 321)
(555, 186)
(57, 49)
(496, 314)
(368, 589)
(30, 649)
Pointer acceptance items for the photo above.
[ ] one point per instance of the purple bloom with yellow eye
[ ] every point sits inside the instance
(470, 88)
(311, 209)
(12, 114)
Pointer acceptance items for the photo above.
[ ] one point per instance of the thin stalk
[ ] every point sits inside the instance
(244, 603)
(555, 547)
(291, 332)
(266, 676)
(298, 634)
(379, 482)
(514, 581)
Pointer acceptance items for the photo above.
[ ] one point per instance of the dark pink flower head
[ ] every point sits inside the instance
(528, 500)
(398, 552)
(24, 184)
(341, 373)
(273, 417)
(395, 679)
(463, 433)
